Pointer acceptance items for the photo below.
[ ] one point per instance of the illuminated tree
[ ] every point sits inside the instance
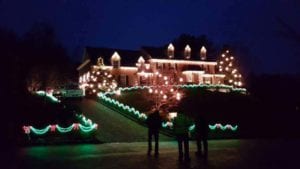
(100, 80)
(227, 66)
(164, 93)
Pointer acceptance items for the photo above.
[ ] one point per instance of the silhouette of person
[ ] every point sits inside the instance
(154, 123)
(181, 126)
(201, 127)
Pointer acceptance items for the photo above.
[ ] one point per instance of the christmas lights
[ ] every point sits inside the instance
(39, 131)
(123, 106)
(169, 124)
(218, 126)
(226, 66)
(205, 86)
(86, 128)
(50, 96)
(64, 130)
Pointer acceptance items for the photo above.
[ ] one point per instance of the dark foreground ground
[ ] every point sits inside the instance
(279, 153)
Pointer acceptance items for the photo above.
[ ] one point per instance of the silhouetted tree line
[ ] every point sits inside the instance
(32, 61)
(35, 60)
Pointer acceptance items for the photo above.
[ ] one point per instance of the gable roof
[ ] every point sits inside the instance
(161, 53)
(128, 57)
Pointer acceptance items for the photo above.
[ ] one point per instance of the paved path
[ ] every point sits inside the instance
(223, 154)
(114, 127)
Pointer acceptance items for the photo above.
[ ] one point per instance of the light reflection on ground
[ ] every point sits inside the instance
(222, 154)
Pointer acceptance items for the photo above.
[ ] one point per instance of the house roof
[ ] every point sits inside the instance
(128, 57)
(161, 53)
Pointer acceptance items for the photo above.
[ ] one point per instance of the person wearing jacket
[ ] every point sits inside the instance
(202, 129)
(181, 126)
(154, 123)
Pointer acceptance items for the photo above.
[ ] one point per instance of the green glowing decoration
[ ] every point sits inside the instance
(40, 131)
(225, 127)
(87, 129)
(64, 130)
(50, 96)
(123, 106)
(192, 127)
(143, 116)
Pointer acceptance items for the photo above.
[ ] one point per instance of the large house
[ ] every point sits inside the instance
(147, 65)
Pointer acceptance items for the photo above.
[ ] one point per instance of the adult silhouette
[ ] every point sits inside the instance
(154, 123)
(201, 126)
(181, 126)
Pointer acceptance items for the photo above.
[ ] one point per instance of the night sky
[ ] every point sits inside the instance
(267, 32)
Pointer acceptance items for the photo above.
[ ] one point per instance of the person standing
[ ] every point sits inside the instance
(202, 129)
(181, 126)
(154, 123)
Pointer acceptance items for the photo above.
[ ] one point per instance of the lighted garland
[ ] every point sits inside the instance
(50, 96)
(218, 126)
(86, 128)
(168, 124)
(206, 86)
(65, 130)
(36, 131)
(123, 106)
(52, 128)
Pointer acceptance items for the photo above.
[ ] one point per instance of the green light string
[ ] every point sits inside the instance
(88, 126)
(209, 86)
(168, 124)
(211, 127)
(51, 97)
(223, 127)
(40, 131)
(123, 106)
(87, 122)
(87, 129)
(64, 130)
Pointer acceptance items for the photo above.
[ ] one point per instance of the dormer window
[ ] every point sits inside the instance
(100, 61)
(141, 60)
(203, 53)
(187, 52)
(171, 51)
(116, 60)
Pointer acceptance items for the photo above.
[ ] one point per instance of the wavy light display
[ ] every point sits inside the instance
(218, 126)
(205, 86)
(87, 127)
(52, 128)
(50, 96)
(123, 106)
(169, 124)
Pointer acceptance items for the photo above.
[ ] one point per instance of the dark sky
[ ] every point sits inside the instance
(266, 31)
